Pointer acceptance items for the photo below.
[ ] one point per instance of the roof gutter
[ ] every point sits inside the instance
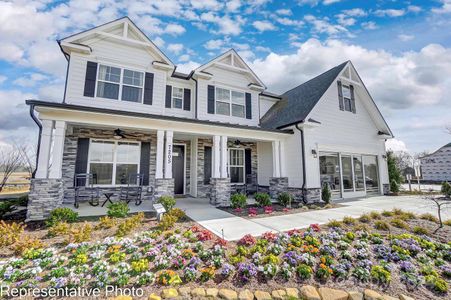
(36, 120)
(303, 161)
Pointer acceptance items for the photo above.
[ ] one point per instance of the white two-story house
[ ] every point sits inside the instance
(126, 111)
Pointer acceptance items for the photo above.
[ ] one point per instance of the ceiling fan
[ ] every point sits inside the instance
(120, 134)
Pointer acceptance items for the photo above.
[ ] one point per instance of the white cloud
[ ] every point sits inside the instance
(233, 5)
(11, 52)
(323, 26)
(444, 9)
(206, 4)
(390, 12)
(289, 22)
(226, 25)
(406, 37)
(184, 58)
(159, 42)
(13, 110)
(29, 80)
(187, 67)
(284, 12)
(414, 8)
(263, 25)
(174, 29)
(370, 25)
(345, 20)
(308, 2)
(328, 2)
(3, 78)
(422, 78)
(175, 48)
(396, 145)
(263, 49)
(214, 44)
(355, 12)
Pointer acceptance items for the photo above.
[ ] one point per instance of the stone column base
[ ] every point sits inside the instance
(313, 195)
(277, 185)
(45, 195)
(386, 188)
(164, 187)
(220, 192)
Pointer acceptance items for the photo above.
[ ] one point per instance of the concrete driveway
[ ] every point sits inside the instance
(231, 227)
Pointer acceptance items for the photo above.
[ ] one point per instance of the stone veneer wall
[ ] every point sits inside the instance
(312, 195)
(277, 185)
(70, 154)
(45, 195)
(220, 192)
(203, 190)
(164, 187)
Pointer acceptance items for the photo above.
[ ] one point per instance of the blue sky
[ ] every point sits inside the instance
(401, 49)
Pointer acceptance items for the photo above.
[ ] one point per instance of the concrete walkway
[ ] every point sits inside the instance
(233, 228)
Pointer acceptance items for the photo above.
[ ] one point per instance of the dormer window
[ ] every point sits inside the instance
(110, 85)
(346, 97)
(230, 102)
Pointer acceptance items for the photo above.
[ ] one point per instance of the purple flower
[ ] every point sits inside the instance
(365, 263)
(406, 266)
(227, 269)
(246, 271)
(292, 258)
(194, 262)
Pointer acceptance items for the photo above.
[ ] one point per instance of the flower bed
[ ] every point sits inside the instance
(355, 256)
(275, 209)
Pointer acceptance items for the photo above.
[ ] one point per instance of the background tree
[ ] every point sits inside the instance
(10, 161)
(441, 203)
(394, 174)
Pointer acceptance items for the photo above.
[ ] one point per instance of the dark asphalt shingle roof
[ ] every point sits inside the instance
(297, 103)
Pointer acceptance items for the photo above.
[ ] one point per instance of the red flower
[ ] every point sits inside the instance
(315, 227)
(247, 240)
(204, 235)
(220, 242)
(269, 236)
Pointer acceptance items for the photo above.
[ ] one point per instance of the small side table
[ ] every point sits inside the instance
(108, 198)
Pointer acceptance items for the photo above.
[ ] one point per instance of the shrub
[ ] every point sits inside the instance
(178, 213)
(168, 202)
(22, 200)
(436, 283)
(118, 209)
(61, 214)
(60, 228)
(420, 230)
(381, 274)
(326, 193)
(238, 200)
(304, 271)
(375, 215)
(79, 234)
(334, 223)
(10, 233)
(365, 218)
(26, 243)
(5, 207)
(429, 217)
(285, 199)
(407, 216)
(167, 222)
(447, 222)
(381, 225)
(387, 213)
(349, 220)
(446, 189)
(106, 222)
(394, 187)
(129, 224)
(262, 199)
(399, 223)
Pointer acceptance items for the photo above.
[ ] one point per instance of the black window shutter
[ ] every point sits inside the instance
(351, 88)
(81, 160)
(248, 162)
(340, 96)
(187, 99)
(207, 164)
(148, 89)
(248, 106)
(211, 99)
(168, 96)
(145, 162)
(90, 79)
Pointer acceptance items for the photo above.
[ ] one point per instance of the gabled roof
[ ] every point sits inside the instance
(131, 34)
(297, 103)
(430, 154)
(233, 61)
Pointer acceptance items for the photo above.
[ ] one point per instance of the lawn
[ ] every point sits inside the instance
(394, 252)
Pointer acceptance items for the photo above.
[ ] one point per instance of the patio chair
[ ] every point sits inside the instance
(251, 184)
(84, 189)
(133, 190)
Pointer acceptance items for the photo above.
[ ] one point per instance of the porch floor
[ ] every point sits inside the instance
(86, 210)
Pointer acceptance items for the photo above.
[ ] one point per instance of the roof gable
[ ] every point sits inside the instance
(122, 30)
(230, 60)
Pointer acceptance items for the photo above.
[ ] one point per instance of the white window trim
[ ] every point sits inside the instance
(114, 162)
(238, 166)
(172, 97)
(99, 63)
(230, 102)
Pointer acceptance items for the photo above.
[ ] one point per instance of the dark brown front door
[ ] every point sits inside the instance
(178, 168)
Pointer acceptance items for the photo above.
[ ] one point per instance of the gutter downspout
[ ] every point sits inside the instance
(195, 97)
(67, 56)
(303, 161)
(36, 120)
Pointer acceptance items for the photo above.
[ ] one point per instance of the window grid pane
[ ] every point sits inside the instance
(133, 78)
(223, 108)
(238, 110)
(107, 73)
(237, 97)
(131, 94)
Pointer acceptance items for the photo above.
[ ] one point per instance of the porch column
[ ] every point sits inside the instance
(216, 173)
(44, 149)
(168, 155)
(160, 154)
(276, 159)
(282, 159)
(224, 171)
(58, 148)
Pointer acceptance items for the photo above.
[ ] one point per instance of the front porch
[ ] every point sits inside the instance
(181, 159)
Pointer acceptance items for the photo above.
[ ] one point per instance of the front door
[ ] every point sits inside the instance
(178, 168)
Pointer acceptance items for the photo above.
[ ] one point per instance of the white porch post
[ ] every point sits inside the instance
(276, 159)
(160, 155)
(44, 149)
(216, 156)
(58, 149)
(224, 173)
(282, 159)
(168, 155)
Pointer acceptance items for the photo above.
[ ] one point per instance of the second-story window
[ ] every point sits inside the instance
(177, 97)
(110, 85)
(346, 97)
(230, 103)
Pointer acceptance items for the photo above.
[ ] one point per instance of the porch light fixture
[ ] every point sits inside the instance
(315, 155)
(237, 143)
(118, 134)
(384, 156)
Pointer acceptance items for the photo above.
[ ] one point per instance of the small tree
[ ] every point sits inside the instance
(10, 160)
(393, 171)
(326, 193)
(446, 189)
(441, 203)
(394, 187)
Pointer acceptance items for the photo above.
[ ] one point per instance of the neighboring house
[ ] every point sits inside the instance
(436, 166)
(126, 110)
